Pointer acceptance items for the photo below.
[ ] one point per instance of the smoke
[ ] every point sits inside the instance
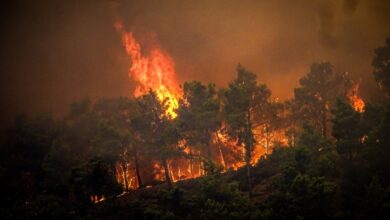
(326, 25)
(327, 12)
(350, 6)
(55, 52)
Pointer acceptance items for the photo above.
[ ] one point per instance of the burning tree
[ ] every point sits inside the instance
(157, 131)
(347, 129)
(269, 123)
(115, 135)
(317, 93)
(199, 117)
(242, 99)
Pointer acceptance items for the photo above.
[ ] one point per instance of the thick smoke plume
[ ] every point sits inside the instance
(55, 52)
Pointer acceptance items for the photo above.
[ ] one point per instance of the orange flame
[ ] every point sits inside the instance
(97, 199)
(126, 176)
(356, 102)
(154, 71)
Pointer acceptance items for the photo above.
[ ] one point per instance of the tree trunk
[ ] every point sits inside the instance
(124, 170)
(220, 151)
(248, 173)
(324, 122)
(222, 157)
(248, 150)
(166, 171)
(207, 137)
(136, 163)
(209, 153)
(191, 163)
(266, 140)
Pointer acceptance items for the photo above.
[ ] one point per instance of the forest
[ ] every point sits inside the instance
(234, 152)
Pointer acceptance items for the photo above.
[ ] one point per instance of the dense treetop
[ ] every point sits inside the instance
(317, 157)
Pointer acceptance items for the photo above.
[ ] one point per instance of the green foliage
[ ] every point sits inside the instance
(377, 151)
(49, 207)
(381, 66)
(211, 167)
(377, 202)
(242, 99)
(307, 197)
(78, 109)
(157, 130)
(93, 178)
(317, 94)
(219, 199)
(158, 214)
(50, 169)
(346, 128)
(56, 166)
(310, 138)
(198, 115)
(154, 127)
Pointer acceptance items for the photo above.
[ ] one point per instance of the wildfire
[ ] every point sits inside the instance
(356, 102)
(125, 176)
(153, 71)
(97, 199)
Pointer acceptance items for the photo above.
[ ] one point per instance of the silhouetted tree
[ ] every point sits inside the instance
(242, 99)
(158, 131)
(268, 120)
(381, 64)
(347, 129)
(94, 177)
(198, 116)
(317, 93)
(115, 136)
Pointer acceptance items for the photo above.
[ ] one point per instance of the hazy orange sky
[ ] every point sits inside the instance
(56, 52)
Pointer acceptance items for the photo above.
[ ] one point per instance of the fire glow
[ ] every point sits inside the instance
(356, 102)
(97, 199)
(154, 71)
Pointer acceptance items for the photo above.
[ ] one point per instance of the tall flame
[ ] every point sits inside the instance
(153, 71)
(356, 102)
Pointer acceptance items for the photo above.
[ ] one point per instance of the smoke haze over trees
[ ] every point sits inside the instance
(324, 155)
(207, 110)
(55, 52)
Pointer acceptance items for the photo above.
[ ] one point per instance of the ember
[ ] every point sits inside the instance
(356, 102)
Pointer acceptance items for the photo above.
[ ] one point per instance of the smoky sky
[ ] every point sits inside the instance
(56, 52)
